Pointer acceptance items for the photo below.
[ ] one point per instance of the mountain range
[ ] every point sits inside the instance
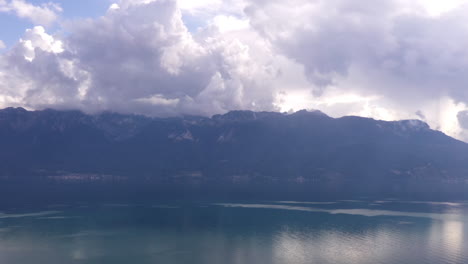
(306, 149)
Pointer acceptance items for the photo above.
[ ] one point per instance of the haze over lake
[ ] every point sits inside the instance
(351, 231)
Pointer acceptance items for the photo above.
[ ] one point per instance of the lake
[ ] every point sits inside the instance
(351, 231)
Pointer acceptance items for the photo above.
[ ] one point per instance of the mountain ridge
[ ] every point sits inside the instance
(237, 148)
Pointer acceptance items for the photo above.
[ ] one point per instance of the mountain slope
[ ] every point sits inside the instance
(240, 147)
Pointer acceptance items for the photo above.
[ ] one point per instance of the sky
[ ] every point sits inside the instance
(384, 59)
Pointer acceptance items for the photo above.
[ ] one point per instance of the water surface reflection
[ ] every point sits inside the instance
(270, 233)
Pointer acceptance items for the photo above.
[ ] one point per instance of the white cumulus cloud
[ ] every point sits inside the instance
(140, 58)
(44, 15)
(387, 59)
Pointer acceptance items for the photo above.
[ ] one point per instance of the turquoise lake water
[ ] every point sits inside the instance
(351, 231)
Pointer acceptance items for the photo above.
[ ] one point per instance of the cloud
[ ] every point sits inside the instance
(2, 44)
(398, 51)
(44, 15)
(463, 118)
(387, 59)
(138, 58)
(338, 40)
(114, 6)
(34, 71)
(420, 114)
